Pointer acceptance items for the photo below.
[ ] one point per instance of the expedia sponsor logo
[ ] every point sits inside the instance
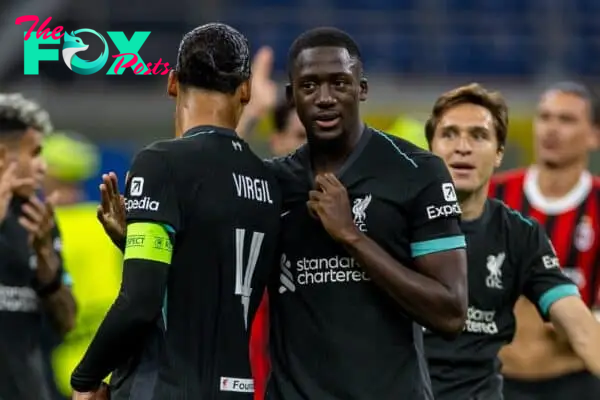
(145, 203)
(447, 210)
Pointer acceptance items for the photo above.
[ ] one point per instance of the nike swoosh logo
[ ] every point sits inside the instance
(283, 214)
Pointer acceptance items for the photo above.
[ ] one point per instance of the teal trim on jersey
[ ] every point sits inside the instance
(395, 146)
(556, 293)
(419, 249)
(528, 221)
(169, 228)
(67, 280)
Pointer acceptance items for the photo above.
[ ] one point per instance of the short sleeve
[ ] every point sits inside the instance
(544, 282)
(150, 193)
(435, 212)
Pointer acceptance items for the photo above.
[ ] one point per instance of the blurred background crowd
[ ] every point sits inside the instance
(413, 51)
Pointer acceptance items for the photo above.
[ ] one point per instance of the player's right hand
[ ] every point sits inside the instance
(9, 182)
(264, 89)
(111, 211)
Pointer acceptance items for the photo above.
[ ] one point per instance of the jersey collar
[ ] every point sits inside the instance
(210, 130)
(356, 152)
(571, 200)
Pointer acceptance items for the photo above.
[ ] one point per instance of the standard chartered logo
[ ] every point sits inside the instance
(314, 271)
(481, 321)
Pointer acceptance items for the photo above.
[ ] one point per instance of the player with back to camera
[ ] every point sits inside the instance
(508, 255)
(560, 193)
(202, 224)
(354, 279)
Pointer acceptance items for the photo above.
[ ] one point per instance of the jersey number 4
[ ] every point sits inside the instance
(245, 271)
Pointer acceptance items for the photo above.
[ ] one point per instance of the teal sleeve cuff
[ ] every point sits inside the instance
(419, 249)
(556, 293)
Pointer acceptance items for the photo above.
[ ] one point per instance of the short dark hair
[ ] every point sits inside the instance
(323, 37)
(281, 114)
(582, 91)
(18, 114)
(213, 57)
(471, 94)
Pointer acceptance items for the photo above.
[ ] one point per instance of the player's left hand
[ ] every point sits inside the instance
(331, 205)
(38, 220)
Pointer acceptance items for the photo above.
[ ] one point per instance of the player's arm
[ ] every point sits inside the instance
(151, 227)
(57, 297)
(435, 294)
(557, 299)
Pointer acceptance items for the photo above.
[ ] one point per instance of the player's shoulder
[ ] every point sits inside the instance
(510, 219)
(402, 152)
(517, 174)
(596, 183)
(290, 166)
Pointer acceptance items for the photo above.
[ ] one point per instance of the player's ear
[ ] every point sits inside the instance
(245, 92)
(499, 156)
(364, 89)
(172, 89)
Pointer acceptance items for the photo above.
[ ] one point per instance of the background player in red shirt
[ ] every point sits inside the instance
(562, 195)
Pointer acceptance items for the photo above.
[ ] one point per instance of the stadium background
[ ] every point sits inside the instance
(413, 50)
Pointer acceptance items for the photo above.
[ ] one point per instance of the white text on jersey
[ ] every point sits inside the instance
(252, 188)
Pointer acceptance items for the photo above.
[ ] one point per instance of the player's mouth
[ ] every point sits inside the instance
(461, 168)
(328, 120)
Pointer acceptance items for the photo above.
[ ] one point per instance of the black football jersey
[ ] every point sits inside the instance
(222, 206)
(334, 333)
(508, 256)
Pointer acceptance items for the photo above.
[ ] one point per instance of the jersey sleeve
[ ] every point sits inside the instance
(150, 191)
(544, 281)
(435, 212)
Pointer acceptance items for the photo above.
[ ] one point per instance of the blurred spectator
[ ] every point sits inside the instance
(289, 133)
(89, 256)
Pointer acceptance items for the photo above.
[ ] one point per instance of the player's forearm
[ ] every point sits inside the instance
(62, 309)
(572, 319)
(127, 323)
(426, 300)
(57, 298)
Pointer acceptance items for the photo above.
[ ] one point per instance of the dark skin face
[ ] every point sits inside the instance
(326, 89)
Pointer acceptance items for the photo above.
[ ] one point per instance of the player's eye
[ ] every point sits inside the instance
(448, 133)
(339, 84)
(308, 86)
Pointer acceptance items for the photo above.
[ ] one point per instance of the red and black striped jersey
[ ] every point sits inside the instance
(572, 222)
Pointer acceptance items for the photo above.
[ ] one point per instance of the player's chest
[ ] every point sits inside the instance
(378, 217)
(492, 273)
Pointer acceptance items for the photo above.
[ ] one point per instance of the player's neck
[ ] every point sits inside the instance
(330, 155)
(472, 204)
(205, 109)
(558, 182)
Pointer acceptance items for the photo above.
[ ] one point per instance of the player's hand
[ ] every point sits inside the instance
(101, 394)
(264, 89)
(331, 205)
(111, 211)
(38, 220)
(8, 184)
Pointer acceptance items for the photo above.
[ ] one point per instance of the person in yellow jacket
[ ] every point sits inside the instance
(89, 256)
(409, 129)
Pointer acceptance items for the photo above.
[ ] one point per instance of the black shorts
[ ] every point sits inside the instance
(578, 385)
